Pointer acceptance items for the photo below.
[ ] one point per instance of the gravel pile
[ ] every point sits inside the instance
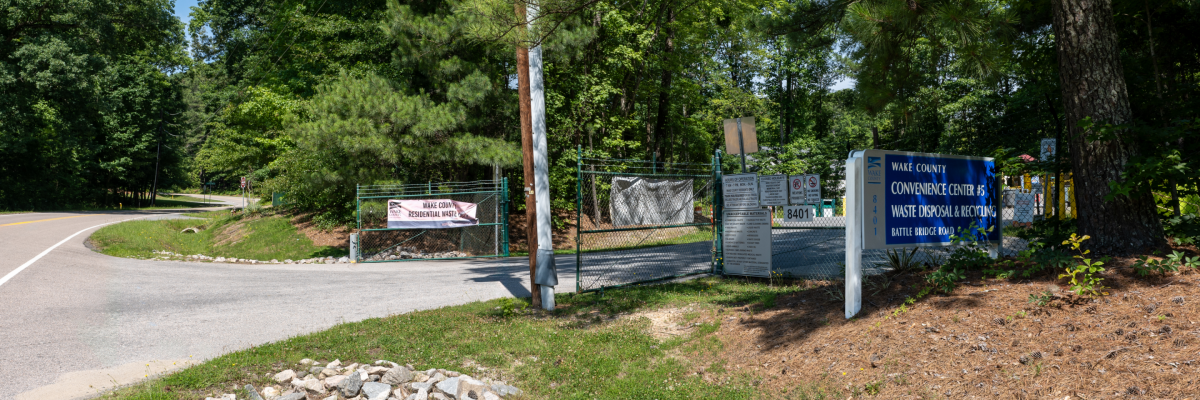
(169, 256)
(405, 253)
(382, 380)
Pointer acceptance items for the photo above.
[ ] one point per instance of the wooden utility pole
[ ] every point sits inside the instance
(523, 97)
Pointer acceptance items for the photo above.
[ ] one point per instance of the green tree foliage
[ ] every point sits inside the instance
(435, 116)
(87, 110)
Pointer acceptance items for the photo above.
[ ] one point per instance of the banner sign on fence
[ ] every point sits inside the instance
(772, 190)
(638, 201)
(918, 199)
(430, 214)
(740, 191)
(748, 242)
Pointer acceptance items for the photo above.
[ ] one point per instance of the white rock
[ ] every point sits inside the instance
(377, 370)
(311, 384)
(270, 393)
(285, 376)
(307, 361)
(376, 390)
(333, 381)
(220, 259)
(422, 394)
(287, 261)
(334, 365)
(352, 367)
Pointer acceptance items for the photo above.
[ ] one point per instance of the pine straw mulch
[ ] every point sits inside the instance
(983, 340)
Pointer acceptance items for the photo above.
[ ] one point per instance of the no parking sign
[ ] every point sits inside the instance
(804, 189)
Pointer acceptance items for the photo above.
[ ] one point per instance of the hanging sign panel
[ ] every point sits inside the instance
(798, 213)
(748, 242)
(812, 189)
(430, 214)
(920, 199)
(740, 191)
(798, 188)
(772, 190)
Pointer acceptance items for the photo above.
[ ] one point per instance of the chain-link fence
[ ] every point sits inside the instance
(817, 249)
(1027, 199)
(489, 238)
(641, 221)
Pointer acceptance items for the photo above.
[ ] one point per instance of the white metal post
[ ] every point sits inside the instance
(854, 222)
(541, 170)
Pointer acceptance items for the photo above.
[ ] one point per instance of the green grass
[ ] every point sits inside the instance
(222, 235)
(580, 351)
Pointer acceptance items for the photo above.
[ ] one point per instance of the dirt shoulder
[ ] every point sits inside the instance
(984, 339)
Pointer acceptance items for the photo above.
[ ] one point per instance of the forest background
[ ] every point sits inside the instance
(102, 101)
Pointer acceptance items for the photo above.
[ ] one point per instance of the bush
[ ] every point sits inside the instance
(1185, 228)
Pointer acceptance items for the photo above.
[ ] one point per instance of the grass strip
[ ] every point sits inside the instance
(222, 234)
(586, 349)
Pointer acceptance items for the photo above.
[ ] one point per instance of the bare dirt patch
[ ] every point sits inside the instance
(338, 237)
(665, 323)
(233, 233)
(985, 339)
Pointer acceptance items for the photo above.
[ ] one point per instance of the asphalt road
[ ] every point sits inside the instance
(76, 322)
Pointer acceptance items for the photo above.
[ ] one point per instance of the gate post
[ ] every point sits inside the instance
(853, 208)
(718, 200)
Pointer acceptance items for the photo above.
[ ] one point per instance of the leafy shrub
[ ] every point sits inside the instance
(1085, 277)
(1145, 266)
(944, 279)
(899, 260)
(1185, 228)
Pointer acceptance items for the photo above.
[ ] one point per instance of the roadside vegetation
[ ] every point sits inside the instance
(254, 235)
(592, 346)
(1052, 321)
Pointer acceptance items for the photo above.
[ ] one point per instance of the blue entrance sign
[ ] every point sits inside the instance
(919, 199)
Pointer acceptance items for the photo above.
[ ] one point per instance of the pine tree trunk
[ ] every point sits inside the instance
(1093, 85)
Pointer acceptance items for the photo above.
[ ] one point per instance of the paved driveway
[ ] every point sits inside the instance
(74, 321)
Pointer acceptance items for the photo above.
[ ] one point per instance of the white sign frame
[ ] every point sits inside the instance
(772, 190)
(797, 193)
(740, 191)
(803, 213)
(812, 189)
(747, 243)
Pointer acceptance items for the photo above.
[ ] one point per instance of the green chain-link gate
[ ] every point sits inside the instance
(378, 243)
(640, 221)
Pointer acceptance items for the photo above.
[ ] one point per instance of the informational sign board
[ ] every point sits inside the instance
(919, 199)
(430, 214)
(798, 189)
(812, 189)
(740, 191)
(749, 140)
(798, 213)
(773, 190)
(748, 242)
(243, 182)
(1049, 148)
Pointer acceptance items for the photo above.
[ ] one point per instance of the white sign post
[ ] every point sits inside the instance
(748, 242)
(854, 178)
(772, 190)
(740, 191)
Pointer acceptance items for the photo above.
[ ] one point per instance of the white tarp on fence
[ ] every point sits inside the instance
(641, 201)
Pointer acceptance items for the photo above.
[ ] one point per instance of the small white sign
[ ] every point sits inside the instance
(812, 189)
(740, 191)
(798, 214)
(798, 189)
(1049, 148)
(772, 190)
